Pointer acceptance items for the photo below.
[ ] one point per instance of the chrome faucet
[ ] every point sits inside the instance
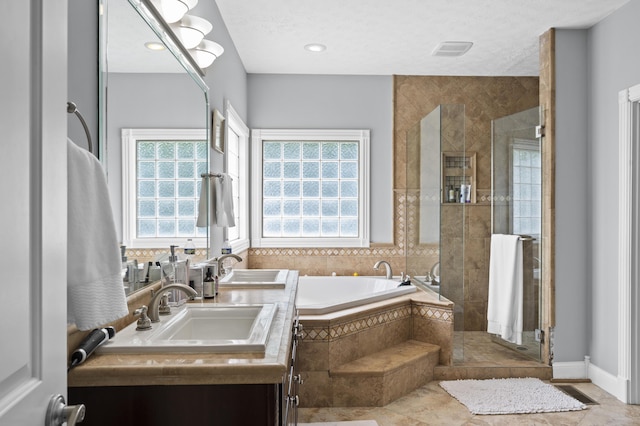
(154, 308)
(387, 267)
(222, 258)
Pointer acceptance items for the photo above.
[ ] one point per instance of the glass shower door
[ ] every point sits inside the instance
(438, 170)
(516, 209)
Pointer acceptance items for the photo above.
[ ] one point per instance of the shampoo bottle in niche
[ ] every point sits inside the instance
(463, 193)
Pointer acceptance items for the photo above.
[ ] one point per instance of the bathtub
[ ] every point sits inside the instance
(323, 295)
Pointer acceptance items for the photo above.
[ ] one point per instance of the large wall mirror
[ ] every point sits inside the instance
(148, 84)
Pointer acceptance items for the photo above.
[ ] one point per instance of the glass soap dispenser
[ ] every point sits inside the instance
(175, 271)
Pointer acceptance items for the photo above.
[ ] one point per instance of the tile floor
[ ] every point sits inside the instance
(431, 405)
(477, 348)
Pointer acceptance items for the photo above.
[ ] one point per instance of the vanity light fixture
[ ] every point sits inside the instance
(315, 47)
(173, 10)
(206, 52)
(154, 45)
(191, 30)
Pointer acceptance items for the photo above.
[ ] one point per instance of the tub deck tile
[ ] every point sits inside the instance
(387, 360)
(380, 378)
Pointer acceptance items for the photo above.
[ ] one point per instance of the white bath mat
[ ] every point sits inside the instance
(510, 396)
(351, 423)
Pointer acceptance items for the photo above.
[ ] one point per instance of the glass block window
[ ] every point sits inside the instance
(526, 189)
(169, 188)
(313, 189)
(162, 182)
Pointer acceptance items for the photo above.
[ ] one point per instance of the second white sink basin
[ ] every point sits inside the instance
(200, 328)
(255, 278)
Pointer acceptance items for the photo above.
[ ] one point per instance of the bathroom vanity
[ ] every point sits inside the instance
(199, 388)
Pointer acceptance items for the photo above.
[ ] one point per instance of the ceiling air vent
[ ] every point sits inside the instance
(452, 48)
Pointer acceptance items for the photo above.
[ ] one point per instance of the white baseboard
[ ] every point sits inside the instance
(569, 370)
(616, 386)
(610, 383)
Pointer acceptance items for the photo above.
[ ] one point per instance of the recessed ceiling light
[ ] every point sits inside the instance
(452, 48)
(315, 47)
(154, 45)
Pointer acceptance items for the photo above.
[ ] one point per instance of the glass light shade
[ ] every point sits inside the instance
(173, 10)
(191, 30)
(206, 52)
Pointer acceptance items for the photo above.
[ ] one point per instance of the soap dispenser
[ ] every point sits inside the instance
(130, 276)
(175, 272)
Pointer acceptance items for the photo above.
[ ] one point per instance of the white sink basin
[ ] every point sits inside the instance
(255, 278)
(200, 328)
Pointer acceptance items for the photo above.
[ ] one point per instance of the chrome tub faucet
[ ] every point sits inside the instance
(387, 266)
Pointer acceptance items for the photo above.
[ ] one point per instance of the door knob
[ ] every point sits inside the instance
(58, 412)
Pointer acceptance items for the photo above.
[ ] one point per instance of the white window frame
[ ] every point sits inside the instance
(258, 136)
(129, 204)
(233, 122)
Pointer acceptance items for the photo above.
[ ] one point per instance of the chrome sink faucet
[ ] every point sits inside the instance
(387, 266)
(221, 271)
(154, 307)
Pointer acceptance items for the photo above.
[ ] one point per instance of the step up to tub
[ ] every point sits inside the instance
(382, 377)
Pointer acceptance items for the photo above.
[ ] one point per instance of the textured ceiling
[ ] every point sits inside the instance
(397, 36)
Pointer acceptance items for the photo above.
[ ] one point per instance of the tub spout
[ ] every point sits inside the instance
(387, 267)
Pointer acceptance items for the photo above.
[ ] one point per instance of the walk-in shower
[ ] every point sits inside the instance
(460, 190)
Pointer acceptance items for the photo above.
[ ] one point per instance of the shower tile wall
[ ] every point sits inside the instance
(484, 98)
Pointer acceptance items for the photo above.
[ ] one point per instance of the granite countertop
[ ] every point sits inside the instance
(203, 368)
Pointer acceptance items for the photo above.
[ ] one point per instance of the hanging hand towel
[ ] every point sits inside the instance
(95, 292)
(504, 310)
(221, 196)
(202, 221)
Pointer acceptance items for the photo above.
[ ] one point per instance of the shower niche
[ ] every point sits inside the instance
(458, 183)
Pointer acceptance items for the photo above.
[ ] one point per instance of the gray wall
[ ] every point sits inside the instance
(338, 102)
(614, 65)
(592, 67)
(82, 77)
(226, 78)
(136, 102)
(572, 194)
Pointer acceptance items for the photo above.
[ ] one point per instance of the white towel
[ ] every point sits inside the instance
(95, 292)
(221, 196)
(504, 310)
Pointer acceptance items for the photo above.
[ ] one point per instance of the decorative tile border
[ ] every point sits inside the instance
(150, 254)
(431, 312)
(373, 252)
(357, 325)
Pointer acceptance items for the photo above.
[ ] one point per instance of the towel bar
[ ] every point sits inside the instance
(210, 175)
(73, 109)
